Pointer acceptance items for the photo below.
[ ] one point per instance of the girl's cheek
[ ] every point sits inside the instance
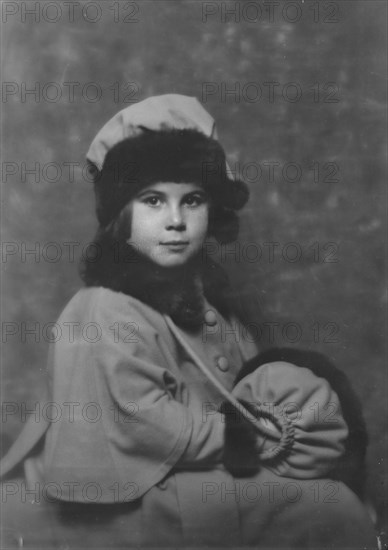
(206, 216)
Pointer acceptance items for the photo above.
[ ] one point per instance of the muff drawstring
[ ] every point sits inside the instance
(284, 424)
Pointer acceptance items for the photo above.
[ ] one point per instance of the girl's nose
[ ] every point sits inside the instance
(175, 218)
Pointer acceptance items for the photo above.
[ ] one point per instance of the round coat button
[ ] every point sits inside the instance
(210, 318)
(162, 484)
(223, 364)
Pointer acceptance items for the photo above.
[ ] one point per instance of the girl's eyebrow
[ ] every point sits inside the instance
(150, 192)
(201, 192)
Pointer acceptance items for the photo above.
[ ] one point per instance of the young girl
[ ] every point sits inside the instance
(156, 444)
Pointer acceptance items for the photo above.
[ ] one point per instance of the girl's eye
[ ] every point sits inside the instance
(195, 200)
(152, 201)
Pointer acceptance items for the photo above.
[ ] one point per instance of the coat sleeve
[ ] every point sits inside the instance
(153, 423)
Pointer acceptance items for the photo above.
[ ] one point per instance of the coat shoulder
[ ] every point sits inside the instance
(103, 305)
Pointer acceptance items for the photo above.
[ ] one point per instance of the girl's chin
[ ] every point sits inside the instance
(171, 262)
(173, 259)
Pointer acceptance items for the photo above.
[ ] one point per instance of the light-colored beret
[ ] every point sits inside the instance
(163, 112)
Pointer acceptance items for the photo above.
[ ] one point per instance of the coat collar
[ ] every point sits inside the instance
(179, 293)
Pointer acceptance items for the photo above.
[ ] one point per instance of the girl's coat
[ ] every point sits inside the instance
(139, 419)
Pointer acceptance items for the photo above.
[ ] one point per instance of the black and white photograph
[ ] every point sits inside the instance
(193, 253)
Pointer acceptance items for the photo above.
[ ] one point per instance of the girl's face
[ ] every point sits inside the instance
(169, 222)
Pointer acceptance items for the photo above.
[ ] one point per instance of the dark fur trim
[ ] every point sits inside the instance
(177, 292)
(351, 467)
(180, 156)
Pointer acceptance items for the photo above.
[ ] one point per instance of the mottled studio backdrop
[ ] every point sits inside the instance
(298, 93)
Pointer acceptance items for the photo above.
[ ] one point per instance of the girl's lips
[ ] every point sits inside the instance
(175, 243)
(175, 246)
